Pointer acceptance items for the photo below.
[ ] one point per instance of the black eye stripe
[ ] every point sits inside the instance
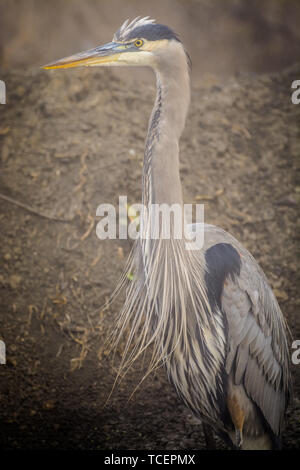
(132, 43)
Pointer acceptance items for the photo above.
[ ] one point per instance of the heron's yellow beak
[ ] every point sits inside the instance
(102, 55)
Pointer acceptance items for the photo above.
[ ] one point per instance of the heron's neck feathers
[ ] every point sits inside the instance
(161, 160)
(167, 307)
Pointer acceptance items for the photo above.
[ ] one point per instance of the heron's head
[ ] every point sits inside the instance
(141, 42)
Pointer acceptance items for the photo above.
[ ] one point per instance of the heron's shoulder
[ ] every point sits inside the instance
(226, 255)
(228, 260)
(214, 235)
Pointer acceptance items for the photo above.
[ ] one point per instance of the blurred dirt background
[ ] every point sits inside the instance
(71, 140)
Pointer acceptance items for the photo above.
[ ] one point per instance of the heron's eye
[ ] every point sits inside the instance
(138, 43)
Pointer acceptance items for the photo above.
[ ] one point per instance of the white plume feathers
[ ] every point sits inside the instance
(128, 26)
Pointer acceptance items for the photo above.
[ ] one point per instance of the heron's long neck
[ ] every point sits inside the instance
(161, 160)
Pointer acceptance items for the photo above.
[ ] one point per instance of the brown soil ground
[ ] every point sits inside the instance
(71, 140)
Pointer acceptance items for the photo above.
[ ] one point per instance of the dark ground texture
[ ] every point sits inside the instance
(71, 140)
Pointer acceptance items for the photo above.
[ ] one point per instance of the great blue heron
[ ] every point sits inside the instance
(209, 313)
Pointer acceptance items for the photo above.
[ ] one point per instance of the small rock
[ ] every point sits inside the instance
(14, 281)
(48, 405)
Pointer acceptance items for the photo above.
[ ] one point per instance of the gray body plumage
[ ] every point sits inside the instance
(209, 314)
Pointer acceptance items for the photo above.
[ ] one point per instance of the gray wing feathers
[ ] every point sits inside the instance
(258, 352)
(257, 356)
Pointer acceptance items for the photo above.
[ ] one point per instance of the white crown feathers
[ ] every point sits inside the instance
(127, 27)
